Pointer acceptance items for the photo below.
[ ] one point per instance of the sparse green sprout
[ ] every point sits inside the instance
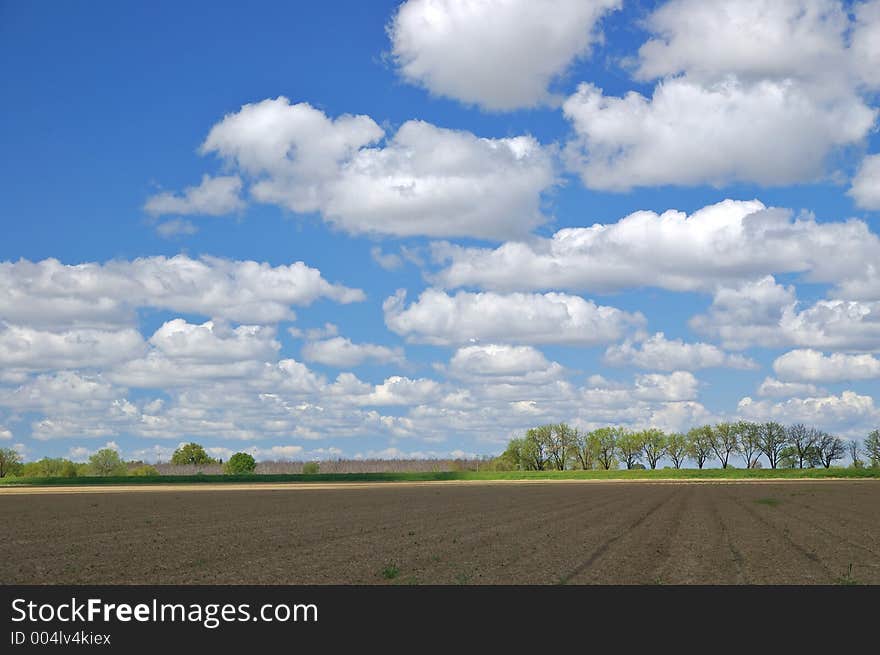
(391, 571)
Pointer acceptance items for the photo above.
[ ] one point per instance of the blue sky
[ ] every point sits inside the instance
(167, 166)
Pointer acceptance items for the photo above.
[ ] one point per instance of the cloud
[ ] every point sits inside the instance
(765, 313)
(662, 354)
(313, 334)
(54, 295)
(389, 261)
(813, 366)
(849, 413)
(865, 189)
(755, 38)
(679, 385)
(777, 389)
(865, 42)
(422, 180)
(440, 319)
(215, 196)
(494, 364)
(721, 244)
(462, 50)
(692, 133)
(32, 349)
(342, 353)
(175, 227)
(295, 150)
(738, 84)
(214, 342)
(5, 433)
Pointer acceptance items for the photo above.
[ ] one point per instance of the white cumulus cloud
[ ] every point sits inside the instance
(662, 354)
(865, 189)
(422, 180)
(342, 353)
(498, 54)
(807, 365)
(215, 196)
(441, 319)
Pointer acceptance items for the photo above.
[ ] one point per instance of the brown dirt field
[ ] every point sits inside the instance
(793, 532)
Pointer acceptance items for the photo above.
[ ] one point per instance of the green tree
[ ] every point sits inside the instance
(677, 448)
(604, 441)
(512, 457)
(10, 462)
(52, 467)
(107, 462)
(772, 440)
(629, 445)
(311, 468)
(583, 449)
(872, 447)
(560, 439)
(191, 453)
(534, 450)
(749, 442)
(240, 463)
(700, 444)
(724, 441)
(654, 443)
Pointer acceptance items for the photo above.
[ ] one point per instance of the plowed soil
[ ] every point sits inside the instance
(825, 532)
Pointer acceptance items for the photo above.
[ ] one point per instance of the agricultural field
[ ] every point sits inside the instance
(454, 532)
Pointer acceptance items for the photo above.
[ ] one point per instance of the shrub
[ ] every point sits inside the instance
(145, 470)
(311, 468)
(240, 463)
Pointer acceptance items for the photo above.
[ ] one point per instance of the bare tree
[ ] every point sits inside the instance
(677, 448)
(605, 443)
(749, 442)
(830, 448)
(700, 444)
(855, 451)
(773, 439)
(653, 445)
(804, 440)
(584, 449)
(724, 441)
(560, 439)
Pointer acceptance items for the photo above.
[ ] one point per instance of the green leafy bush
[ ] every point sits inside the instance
(311, 468)
(144, 470)
(240, 463)
(52, 467)
(191, 453)
(107, 462)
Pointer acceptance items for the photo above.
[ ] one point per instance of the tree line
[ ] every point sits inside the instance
(560, 446)
(108, 462)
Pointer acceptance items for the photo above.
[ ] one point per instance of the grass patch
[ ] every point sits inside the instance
(770, 502)
(429, 476)
(391, 571)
